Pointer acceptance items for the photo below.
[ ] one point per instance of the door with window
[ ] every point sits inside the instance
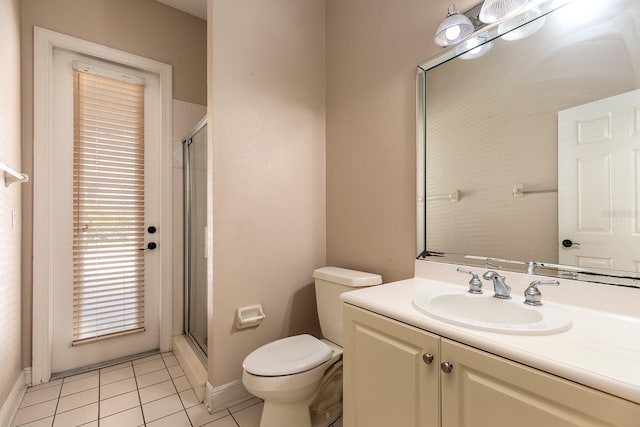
(105, 187)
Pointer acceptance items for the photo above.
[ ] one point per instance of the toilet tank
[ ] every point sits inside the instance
(330, 282)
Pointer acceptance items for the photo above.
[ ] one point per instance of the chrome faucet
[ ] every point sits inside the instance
(500, 288)
(475, 284)
(530, 267)
(532, 295)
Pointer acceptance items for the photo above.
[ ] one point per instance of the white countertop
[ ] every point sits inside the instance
(601, 349)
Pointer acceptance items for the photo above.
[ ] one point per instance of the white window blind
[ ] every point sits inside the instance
(108, 265)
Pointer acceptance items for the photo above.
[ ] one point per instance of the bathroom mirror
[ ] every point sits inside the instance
(515, 165)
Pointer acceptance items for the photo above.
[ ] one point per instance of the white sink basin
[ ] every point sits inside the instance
(487, 313)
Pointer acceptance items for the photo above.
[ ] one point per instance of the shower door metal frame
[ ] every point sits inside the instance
(186, 142)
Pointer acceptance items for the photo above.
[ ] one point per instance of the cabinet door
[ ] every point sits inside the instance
(484, 390)
(386, 379)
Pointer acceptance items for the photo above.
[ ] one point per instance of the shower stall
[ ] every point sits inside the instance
(195, 223)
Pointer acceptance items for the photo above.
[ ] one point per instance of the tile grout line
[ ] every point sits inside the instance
(135, 378)
(234, 418)
(99, 389)
(55, 411)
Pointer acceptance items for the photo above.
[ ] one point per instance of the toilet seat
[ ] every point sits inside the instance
(287, 356)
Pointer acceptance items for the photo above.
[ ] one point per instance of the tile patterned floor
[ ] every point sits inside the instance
(152, 392)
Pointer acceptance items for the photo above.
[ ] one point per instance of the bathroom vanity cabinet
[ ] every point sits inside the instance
(397, 375)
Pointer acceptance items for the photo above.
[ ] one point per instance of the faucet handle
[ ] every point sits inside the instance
(475, 284)
(532, 295)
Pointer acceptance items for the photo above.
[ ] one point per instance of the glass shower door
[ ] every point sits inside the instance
(195, 222)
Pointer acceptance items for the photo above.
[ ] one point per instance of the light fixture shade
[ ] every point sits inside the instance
(453, 29)
(527, 23)
(497, 10)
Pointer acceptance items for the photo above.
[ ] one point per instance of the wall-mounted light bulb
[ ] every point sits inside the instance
(452, 33)
(475, 48)
(453, 29)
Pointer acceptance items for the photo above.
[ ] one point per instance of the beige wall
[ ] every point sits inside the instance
(373, 48)
(267, 109)
(148, 29)
(10, 238)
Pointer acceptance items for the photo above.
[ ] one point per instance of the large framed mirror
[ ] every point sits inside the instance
(529, 145)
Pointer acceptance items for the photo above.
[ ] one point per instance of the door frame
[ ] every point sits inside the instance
(45, 41)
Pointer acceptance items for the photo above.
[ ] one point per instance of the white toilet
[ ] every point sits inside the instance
(300, 377)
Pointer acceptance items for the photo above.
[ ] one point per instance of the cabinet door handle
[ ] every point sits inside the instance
(427, 358)
(446, 367)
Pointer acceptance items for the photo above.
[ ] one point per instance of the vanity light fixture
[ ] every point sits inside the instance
(454, 28)
(497, 10)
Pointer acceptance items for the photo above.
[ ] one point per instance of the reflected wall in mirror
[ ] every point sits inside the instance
(491, 123)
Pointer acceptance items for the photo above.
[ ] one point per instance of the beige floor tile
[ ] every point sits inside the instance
(119, 387)
(145, 368)
(77, 417)
(119, 403)
(79, 385)
(147, 359)
(170, 361)
(179, 419)
(238, 407)
(249, 417)
(157, 391)
(91, 424)
(199, 415)
(175, 371)
(129, 418)
(44, 385)
(189, 398)
(162, 407)
(39, 396)
(77, 400)
(115, 367)
(44, 422)
(182, 383)
(82, 376)
(35, 412)
(116, 375)
(223, 422)
(155, 377)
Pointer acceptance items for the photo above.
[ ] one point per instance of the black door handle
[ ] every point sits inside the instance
(567, 243)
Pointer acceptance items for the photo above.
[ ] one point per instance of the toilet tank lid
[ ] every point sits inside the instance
(347, 277)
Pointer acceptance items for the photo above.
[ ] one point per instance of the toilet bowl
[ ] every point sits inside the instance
(288, 392)
(300, 377)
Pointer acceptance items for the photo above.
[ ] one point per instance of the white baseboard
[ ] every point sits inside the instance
(11, 405)
(225, 395)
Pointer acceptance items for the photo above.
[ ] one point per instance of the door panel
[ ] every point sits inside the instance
(484, 390)
(64, 355)
(387, 382)
(599, 183)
